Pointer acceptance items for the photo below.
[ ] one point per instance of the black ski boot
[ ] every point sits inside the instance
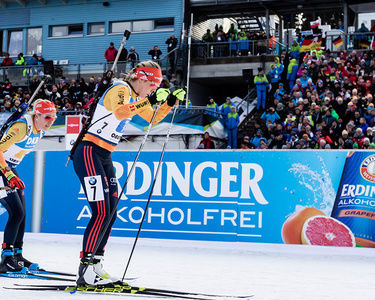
(9, 262)
(93, 273)
(23, 262)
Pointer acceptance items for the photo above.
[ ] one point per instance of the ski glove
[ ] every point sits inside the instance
(175, 96)
(160, 95)
(14, 181)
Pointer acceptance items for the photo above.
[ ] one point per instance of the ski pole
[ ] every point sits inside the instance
(152, 189)
(104, 229)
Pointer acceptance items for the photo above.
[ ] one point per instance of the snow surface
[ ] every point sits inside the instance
(268, 271)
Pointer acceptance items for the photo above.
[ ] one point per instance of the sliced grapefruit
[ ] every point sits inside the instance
(292, 227)
(326, 231)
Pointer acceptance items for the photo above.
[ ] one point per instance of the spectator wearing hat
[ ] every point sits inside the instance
(245, 143)
(133, 57)
(225, 108)
(243, 44)
(212, 108)
(232, 122)
(280, 92)
(358, 137)
(256, 139)
(262, 84)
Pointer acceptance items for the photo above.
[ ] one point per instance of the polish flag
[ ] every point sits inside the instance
(314, 24)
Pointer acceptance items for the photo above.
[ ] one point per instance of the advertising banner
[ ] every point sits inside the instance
(243, 196)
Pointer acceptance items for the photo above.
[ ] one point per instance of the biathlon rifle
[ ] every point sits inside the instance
(102, 87)
(23, 107)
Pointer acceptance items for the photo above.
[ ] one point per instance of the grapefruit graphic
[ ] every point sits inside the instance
(326, 231)
(292, 227)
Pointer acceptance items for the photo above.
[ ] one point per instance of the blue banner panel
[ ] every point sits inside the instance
(26, 172)
(199, 195)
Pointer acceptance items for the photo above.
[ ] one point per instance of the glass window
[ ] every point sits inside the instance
(120, 27)
(76, 29)
(57, 31)
(34, 41)
(96, 28)
(15, 41)
(164, 23)
(143, 25)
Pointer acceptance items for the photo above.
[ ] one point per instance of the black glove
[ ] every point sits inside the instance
(161, 94)
(176, 95)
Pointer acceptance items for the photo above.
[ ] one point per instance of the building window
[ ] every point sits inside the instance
(164, 23)
(15, 41)
(143, 26)
(66, 30)
(120, 27)
(95, 28)
(34, 41)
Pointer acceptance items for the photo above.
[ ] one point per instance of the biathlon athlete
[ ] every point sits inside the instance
(92, 158)
(21, 138)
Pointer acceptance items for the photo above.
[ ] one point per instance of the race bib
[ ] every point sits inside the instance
(94, 188)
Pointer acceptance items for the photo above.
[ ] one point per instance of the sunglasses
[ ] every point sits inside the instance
(49, 118)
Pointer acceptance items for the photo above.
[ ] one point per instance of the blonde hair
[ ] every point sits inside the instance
(36, 103)
(147, 63)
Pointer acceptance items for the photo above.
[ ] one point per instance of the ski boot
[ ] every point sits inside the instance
(93, 273)
(9, 262)
(23, 262)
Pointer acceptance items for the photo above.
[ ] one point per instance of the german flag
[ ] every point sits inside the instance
(338, 42)
(364, 44)
(311, 43)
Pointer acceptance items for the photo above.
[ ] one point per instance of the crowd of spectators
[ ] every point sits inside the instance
(317, 100)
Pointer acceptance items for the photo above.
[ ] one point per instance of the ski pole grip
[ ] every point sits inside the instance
(127, 34)
(47, 78)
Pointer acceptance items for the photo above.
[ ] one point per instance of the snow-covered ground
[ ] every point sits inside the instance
(268, 271)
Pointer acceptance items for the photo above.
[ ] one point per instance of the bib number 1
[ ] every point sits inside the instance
(94, 188)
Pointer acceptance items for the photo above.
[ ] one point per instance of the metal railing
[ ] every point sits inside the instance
(22, 75)
(228, 49)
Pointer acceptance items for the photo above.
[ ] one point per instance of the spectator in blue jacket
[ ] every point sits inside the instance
(232, 122)
(212, 108)
(233, 44)
(243, 44)
(257, 138)
(280, 92)
(225, 108)
(292, 72)
(275, 74)
(270, 115)
(262, 84)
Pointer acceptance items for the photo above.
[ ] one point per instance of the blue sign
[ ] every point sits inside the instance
(199, 195)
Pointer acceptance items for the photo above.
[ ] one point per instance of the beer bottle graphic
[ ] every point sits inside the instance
(355, 199)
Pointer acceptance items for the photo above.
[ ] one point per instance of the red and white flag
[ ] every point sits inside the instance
(314, 24)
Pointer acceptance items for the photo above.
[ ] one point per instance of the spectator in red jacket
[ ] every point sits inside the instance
(7, 61)
(110, 53)
(207, 142)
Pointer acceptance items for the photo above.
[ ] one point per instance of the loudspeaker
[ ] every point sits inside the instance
(247, 75)
(48, 67)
